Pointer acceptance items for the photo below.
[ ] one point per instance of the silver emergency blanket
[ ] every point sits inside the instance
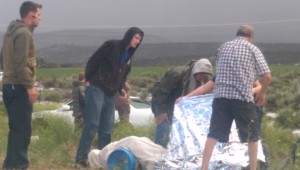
(190, 126)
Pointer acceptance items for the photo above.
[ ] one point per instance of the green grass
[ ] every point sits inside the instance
(67, 72)
(277, 69)
(55, 136)
(57, 72)
(54, 142)
(122, 130)
(2, 109)
(278, 142)
(137, 71)
(3, 138)
(57, 141)
(40, 106)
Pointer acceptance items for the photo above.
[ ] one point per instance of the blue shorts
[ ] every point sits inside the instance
(227, 110)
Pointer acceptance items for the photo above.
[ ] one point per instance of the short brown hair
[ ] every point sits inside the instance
(245, 31)
(28, 6)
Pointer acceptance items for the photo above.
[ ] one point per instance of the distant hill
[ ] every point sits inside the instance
(147, 54)
(74, 47)
(85, 37)
(166, 53)
(88, 37)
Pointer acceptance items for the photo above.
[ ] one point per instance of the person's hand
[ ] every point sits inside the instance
(178, 100)
(123, 98)
(123, 93)
(32, 94)
(259, 98)
(87, 83)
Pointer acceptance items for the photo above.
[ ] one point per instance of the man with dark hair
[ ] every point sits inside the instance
(237, 64)
(105, 73)
(18, 61)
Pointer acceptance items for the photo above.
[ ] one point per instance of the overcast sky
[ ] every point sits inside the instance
(274, 20)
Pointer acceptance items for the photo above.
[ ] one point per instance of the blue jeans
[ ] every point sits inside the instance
(98, 116)
(162, 133)
(19, 110)
(163, 128)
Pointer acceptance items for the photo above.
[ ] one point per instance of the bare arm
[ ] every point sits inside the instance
(32, 93)
(199, 91)
(256, 87)
(260, 95)
(123, 98)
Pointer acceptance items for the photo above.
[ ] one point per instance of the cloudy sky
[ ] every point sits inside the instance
(195, 20)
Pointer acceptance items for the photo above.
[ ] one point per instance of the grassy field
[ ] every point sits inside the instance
(57, 72)
(277, 69)
(137, 71)
(54, 141)
(57, 141)
(66, 72)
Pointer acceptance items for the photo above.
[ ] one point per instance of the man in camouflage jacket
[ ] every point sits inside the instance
(176, 82)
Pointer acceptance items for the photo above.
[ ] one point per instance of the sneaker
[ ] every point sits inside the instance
(82, 164)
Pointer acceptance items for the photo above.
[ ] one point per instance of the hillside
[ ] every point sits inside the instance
(165, 53)
(74, 47)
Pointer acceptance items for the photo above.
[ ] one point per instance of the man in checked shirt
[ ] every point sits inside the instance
(237, 64)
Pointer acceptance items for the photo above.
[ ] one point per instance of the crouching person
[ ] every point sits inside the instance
(176, 82)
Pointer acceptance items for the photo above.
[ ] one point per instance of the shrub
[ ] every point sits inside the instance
(144, 80)
(38, 106)
(123, 129)
(141, 82)
(278, 143)
(54, 135)
(288, 118)
(284, 91)
(296, 94)
(53, 96)
(62, 82)
(50, 82)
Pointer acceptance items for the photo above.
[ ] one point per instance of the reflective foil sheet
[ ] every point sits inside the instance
(188, 135)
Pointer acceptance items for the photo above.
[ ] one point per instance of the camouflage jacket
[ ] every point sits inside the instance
(173, 85)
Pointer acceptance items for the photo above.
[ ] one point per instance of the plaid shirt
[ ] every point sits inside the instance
(237, 64)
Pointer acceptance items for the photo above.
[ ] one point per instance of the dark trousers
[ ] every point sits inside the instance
(19, 110)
